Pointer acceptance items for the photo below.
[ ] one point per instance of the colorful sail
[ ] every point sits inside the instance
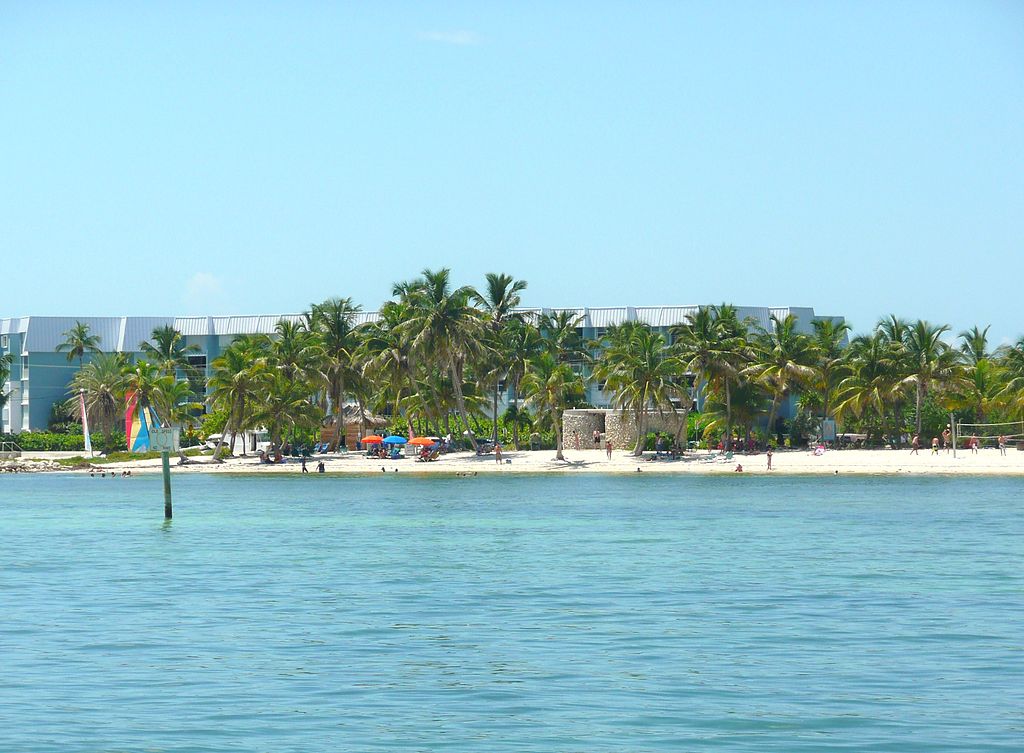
(137, 422)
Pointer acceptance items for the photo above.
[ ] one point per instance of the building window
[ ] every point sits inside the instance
(24, 367)
(3, 342)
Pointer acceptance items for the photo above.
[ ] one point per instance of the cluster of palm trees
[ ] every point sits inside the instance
(162, 380)
(437, 357)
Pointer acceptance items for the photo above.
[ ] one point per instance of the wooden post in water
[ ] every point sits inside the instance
(165, 461)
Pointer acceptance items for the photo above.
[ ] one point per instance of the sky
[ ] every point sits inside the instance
(862, 158)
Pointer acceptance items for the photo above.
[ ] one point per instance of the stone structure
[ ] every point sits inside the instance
(616, 425)
(584, 421)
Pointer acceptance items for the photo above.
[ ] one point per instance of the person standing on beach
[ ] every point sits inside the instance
(1002, 444)
(947, 438)
(769, 457)
(575, 439)
(974, 445)
(935, 445)
(304, 468)
(597, 439)
(608, 448)
(497, 453)
(915, 445)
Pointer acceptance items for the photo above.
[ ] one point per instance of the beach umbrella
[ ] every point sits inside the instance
(422, 441)
(393, 439)
(372, 439)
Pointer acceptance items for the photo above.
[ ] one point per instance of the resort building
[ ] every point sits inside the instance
(39, 374)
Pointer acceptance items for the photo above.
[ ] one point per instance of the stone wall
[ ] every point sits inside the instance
(614, 425)
(584, 422)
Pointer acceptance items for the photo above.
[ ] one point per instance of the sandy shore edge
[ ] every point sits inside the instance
(988, 462)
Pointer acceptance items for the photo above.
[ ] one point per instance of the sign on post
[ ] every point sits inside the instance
(828, 430)
(164, 439)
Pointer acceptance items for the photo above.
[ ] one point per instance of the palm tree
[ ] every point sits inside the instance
(284, 406)
(783, 360)
(292, 352)
(150, 387)
(975, 344)
(445, 327)
(177, 405)
(978, 391)
(167, 349)
(561, 333)
(1011, 368)
(552, 386)
(499, 301)
(640, 373)
(747, 403)
(521, 343)
(77, 342)
(980, 382)
(873, 381)
(930, 360)
(386, 356)
(729, 357)
(703, 351)
(894, 329)
(333, 322)
(102, 382)
(235, 381)
(829, 343)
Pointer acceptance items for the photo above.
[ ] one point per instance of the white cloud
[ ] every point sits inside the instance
(203, 293)
(460, 37)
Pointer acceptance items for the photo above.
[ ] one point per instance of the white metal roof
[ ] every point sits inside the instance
(121, 333)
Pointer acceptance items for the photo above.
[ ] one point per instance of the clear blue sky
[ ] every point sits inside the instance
(858, 157)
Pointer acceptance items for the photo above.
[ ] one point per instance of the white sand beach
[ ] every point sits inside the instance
(784, 462)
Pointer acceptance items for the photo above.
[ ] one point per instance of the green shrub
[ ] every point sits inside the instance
(45, 441)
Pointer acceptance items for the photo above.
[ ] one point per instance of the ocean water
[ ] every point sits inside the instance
(518, 613)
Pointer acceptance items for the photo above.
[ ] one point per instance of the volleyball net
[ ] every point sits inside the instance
(988, 434)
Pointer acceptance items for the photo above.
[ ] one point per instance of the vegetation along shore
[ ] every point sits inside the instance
(470, 364)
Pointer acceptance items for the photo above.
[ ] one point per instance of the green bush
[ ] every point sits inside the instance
(45, 441)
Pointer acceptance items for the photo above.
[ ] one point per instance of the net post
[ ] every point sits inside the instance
(955, 430)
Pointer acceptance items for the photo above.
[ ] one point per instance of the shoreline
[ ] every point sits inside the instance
(701, 462)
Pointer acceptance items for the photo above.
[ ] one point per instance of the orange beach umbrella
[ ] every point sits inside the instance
(424, 441)
(372, 439)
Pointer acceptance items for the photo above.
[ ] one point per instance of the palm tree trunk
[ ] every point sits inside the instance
(638, 449)
(685, 429)
(495, 439)
(340, 410)
(362, 418)
(515, 424)
(234, 425)
(460, 401)
(772, 412)
(920, 395)
(728, 417)
(558, 436)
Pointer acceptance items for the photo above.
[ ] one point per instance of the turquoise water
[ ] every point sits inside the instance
(521, 613)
